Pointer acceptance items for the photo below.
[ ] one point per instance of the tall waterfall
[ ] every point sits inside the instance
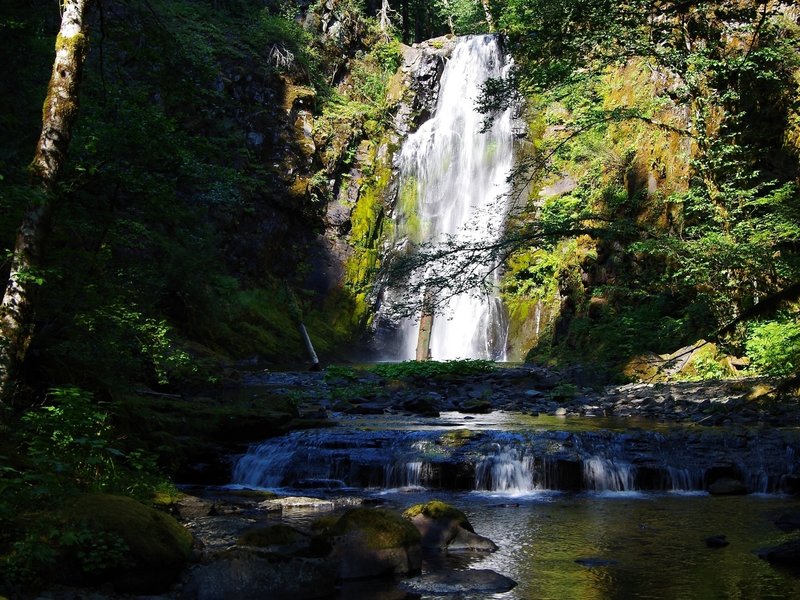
(453, 186)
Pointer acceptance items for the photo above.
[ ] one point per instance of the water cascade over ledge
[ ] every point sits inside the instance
(452, 189)
(435, 456)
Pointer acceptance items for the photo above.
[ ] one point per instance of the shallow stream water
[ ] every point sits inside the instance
(603, 543)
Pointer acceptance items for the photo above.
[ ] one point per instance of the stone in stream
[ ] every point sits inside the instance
(251, 574)
(444, 527)
(470, 581)
(717, 541)
(296, 502)
(785, 555)
(788, 522)
(373, 542)
(594, 562)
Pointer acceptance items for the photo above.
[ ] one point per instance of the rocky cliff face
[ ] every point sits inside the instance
(356, 235)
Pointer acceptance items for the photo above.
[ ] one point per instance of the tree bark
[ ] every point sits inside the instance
(425, 328)
(488, 12)
(383, 16)
(58, 116)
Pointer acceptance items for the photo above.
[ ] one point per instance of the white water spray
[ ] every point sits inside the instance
(453, 186)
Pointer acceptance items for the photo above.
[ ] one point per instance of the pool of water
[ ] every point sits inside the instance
(612, 546)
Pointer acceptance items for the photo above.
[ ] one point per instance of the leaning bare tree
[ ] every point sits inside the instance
(58, 117)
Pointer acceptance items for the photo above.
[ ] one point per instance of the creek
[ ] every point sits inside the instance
(580, 508)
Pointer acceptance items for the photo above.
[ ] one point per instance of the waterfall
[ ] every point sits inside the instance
(452, 186)
(507, 469)
(510, 461)
(608, 475)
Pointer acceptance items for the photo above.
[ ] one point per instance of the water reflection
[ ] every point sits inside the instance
(656, 543)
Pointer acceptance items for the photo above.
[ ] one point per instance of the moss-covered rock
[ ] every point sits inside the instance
(438, 510)
(153, 547)
(372, 542)
(444, 527)
(379, 528)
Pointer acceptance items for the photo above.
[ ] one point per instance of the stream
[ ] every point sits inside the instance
(580, 508)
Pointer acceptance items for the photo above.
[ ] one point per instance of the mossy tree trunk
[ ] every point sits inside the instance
(58, 116)
(487, 11)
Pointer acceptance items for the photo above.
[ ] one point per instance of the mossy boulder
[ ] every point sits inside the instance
(438, 510)
(150, 547)
(444, 527)
(373, 542)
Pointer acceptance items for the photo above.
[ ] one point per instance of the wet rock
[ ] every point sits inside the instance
(717, 541)
(786, 554)
(727, 486)
(291, 502)
(444, 527)
(373, 542)
(788, 522)
(425, 406)
(470, 581)
(476, 406)
(595, 562)
(248, 574)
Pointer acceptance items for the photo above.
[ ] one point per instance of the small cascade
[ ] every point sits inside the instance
(407, 474)
(452, 189)
(516, 462)
(683, 479)
(507, 470)
(608, 475)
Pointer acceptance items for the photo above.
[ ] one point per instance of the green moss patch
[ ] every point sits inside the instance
(438, 510)
(156, 545)
(381, 529)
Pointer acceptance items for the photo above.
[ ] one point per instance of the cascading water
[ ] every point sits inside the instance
(453, 187)
(511, 462)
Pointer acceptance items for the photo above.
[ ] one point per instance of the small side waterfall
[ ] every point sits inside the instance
(507, 469)
(452, 186)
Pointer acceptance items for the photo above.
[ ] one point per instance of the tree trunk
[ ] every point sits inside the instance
(488, 12)
(383, 16)
(425, 328)
(58, 116)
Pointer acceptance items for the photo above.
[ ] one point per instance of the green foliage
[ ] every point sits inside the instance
(432, 368)
(66, 448)
(71, 446)
(467, 16)
(563, 392)
(774, 346)
(681, 180)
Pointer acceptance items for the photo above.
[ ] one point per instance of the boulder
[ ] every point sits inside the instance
(717, 541)
(786, 554)
(470, 581)
(788, 522)
(374, 542)
(250, 574)
(146, 549)
(296, 502)
(444, 527)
